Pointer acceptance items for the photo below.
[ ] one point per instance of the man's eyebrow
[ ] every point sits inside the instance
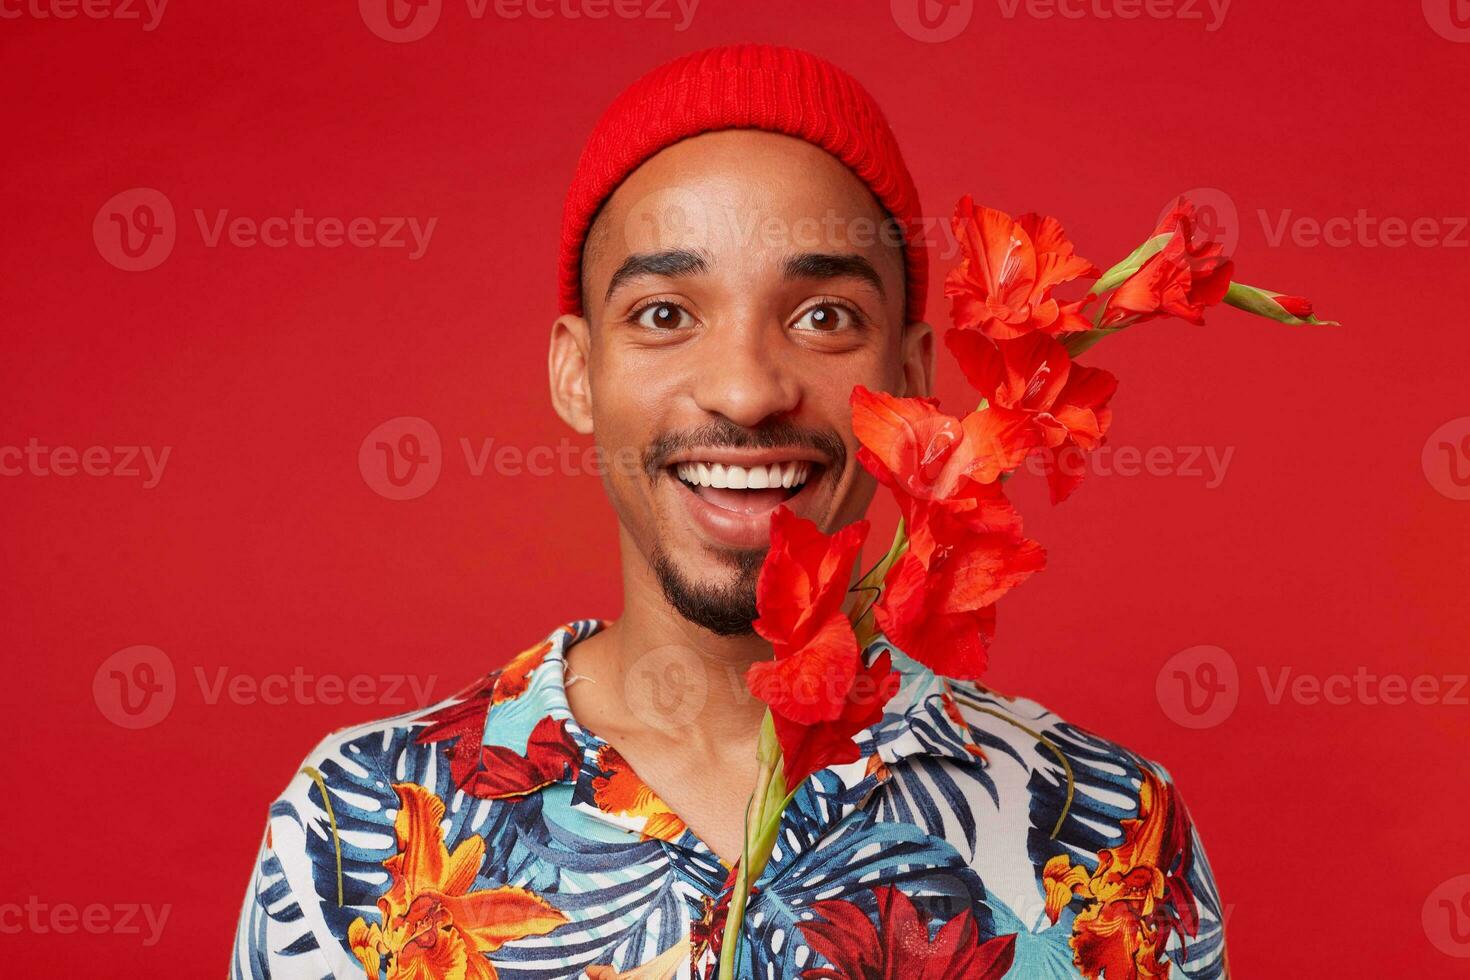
(671, 262)
(824, 265)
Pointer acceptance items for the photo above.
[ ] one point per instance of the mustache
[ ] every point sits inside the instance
(724, 434)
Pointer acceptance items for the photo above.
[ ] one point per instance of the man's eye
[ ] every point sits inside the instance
(662, 316)
(825, 318)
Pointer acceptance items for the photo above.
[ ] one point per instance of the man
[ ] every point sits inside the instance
(740, 249)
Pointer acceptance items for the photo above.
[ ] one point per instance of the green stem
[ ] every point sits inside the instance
(1076, 343)
(879, 570)
(870, 587)
(762, 823)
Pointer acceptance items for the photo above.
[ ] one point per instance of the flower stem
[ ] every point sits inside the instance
(1076, 343)
(870, 587)
(762, 822)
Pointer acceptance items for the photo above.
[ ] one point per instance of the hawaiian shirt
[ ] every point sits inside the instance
(490, 836)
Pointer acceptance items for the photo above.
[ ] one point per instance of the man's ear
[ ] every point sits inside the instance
(917, 358)
(567, 363)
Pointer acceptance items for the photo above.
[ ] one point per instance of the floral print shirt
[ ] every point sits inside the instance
(490, 836)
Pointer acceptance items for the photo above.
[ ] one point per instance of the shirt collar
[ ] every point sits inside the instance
(920, 720)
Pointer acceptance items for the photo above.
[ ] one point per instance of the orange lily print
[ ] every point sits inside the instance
(620, 791)
(1008, 268)
(1136, 897)
(434, 927)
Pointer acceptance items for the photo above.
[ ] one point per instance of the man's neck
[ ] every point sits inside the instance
(674, 674)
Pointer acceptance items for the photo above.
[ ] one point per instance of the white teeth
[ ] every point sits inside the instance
(787, 475)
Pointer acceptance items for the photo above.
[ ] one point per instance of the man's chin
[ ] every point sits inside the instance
(725, 605)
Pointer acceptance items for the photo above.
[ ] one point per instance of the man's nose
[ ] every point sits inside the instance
(746, 374)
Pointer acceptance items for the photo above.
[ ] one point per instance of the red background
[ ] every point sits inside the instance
(263, 549)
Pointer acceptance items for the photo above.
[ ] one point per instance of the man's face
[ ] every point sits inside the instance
(736, 287)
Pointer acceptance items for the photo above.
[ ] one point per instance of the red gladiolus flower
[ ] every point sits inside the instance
(900, 947)
(808, 748)
(1008, 268)
(1188, 274)
(802, 585)
(942, 612)
(933, 526)
(913, 447)
(965, 546)
(1065, 401)
(943, 470)
(819, 693)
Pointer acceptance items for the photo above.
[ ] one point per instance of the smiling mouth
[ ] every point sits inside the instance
(746, 489)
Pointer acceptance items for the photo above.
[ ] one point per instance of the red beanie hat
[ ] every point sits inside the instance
(743, 86)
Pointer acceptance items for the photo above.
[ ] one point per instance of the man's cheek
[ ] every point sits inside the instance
(623, 469)
(860, 492)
